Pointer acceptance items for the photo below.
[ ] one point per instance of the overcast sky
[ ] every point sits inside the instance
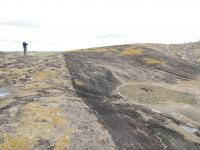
(72, 24)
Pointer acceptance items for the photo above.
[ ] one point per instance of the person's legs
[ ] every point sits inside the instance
(25, 50)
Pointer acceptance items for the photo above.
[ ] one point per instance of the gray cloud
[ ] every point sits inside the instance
(106, 36)
(21, 23)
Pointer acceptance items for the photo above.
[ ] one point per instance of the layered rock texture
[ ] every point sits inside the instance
(137, 97)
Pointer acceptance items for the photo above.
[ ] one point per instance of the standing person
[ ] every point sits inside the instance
(25, 47)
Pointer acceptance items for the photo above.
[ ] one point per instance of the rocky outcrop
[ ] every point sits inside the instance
(140, 96)
(97, 75)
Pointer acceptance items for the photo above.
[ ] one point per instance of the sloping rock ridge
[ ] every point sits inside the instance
(137, 97)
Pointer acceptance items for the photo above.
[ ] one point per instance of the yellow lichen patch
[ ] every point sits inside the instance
(153, 61)
(57, 120)
(131, 52)
(37, 112)
(16, 143)
(79, 82)
(40, 121)
(62, 143)
(45, 74)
